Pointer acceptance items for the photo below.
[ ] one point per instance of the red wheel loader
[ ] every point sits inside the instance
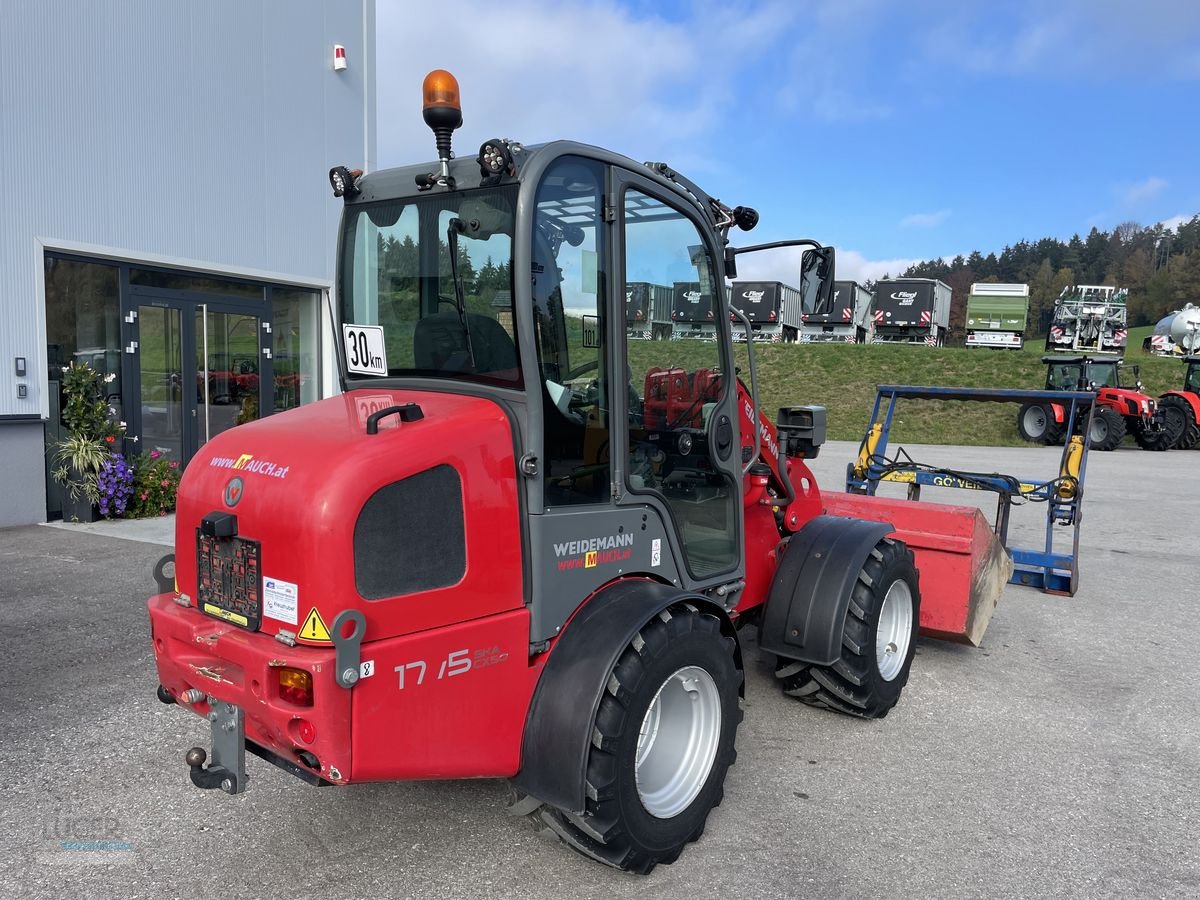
(520, 544)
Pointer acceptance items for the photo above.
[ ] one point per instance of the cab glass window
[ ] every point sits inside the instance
(676, 387)
(569, 321)
(436, 272)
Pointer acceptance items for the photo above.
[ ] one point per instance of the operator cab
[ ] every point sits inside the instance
(1082, 373)
(507, 276)
(1191, 380)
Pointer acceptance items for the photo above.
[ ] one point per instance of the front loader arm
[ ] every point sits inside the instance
(792, 488)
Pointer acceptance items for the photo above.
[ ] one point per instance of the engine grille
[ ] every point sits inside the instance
(410, 536)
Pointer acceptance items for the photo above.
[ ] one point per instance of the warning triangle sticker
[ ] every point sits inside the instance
(314, 628)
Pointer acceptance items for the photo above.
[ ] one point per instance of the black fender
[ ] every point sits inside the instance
(806, 608)
(558, 728)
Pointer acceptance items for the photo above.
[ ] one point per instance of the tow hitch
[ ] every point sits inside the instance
(227, 770)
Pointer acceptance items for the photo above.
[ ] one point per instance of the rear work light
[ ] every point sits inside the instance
(295, 686)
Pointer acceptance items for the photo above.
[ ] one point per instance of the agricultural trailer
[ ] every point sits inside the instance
(847, 321)
(1089, 318)
(1176, 334)
(519, 545)
(997, 315)
(772, 307)
(911, 311)
(648, 311)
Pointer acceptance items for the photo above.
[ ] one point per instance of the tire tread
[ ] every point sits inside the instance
(846, 685)
(598, 833)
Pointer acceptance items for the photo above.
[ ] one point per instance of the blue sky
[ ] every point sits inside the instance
(896, 131)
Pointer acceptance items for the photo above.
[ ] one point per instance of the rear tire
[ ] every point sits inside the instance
(1107, 431)
(1191, 437)
(1179, 422)
(879, 638)
(662, 741)
(1035, 423)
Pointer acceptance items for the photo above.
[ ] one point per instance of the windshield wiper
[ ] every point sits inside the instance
(457, 226)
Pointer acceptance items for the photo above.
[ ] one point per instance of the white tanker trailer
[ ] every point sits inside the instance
(1177, 333)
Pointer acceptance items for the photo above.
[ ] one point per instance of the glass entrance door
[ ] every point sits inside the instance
(162, 403)
(201, 370)
(227, 362)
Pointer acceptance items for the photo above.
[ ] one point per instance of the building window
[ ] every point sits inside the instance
(295, 329)
(83, 319)
(189, 281)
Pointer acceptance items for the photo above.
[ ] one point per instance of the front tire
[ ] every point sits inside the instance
(879, 638)
(1107, 430)
(662, 741)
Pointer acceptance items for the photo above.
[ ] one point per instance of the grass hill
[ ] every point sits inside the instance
(843, 378)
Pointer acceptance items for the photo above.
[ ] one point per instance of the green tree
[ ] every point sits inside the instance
(1041, 294)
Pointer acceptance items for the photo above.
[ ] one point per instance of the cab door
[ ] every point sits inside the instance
(674, 432)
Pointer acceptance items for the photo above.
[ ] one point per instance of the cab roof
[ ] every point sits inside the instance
(1080, 359)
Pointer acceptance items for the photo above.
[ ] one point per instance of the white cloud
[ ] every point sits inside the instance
(784, 265)
(925, 220)
(1093, 39)
(538, 70)
(1174, 222)
(853, 266)
(1139, 193)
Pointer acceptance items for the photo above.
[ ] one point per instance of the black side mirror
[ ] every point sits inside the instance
(816, 279)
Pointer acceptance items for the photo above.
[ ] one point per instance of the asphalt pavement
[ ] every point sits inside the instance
(1060, 759)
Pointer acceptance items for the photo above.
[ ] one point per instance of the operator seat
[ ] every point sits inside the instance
(440, 345)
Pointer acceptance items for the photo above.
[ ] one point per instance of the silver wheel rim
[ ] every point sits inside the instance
(894, 633)
(1035, 421)
(677, 744)
(1099, 429)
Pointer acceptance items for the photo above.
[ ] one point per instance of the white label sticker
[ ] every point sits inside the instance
(365, 354)
(656, 552)
(280, 600)
(366, 668)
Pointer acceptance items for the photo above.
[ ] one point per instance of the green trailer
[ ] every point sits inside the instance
(997, 315)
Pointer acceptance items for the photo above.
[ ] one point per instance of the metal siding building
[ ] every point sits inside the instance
(176, 152)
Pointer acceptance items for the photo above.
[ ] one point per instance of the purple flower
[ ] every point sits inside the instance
(115, 484)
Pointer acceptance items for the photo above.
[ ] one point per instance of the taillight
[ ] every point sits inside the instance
(772, 315)
(295, 686)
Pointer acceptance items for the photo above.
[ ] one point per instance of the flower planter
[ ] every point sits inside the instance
(78, 509)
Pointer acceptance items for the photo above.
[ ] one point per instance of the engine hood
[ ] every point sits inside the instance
(299, 483)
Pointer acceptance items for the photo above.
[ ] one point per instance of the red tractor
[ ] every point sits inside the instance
(1119, 410)
(1181, 409)
(521, 544)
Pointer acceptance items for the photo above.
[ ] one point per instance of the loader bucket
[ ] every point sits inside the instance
(962, 563)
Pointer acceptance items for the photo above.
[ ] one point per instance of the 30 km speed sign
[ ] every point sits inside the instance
(365, 353)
